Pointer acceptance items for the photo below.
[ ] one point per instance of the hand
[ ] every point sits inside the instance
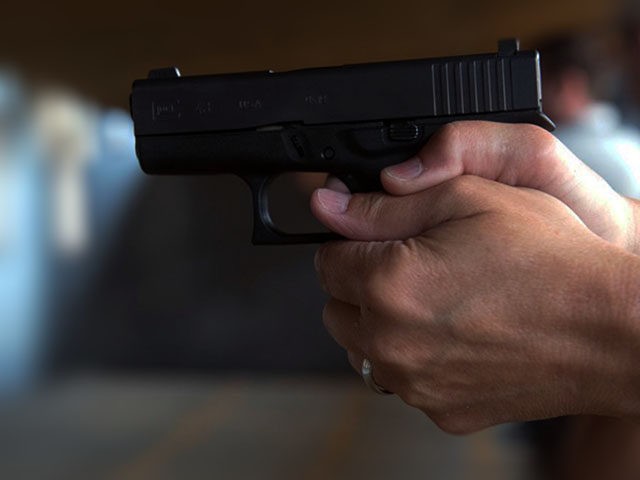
(480, 303)
(525, 156)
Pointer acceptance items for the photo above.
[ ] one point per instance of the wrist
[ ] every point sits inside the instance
(619, 351)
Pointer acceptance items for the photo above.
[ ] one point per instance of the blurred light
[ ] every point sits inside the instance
(66, 174)
(67, 129)
(21, 221)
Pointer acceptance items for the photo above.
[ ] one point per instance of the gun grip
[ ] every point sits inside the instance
(264, 230)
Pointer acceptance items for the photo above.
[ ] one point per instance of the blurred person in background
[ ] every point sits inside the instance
(628, 93)
(89, 160)
(591, 128)
(92, 177)
(66, 171)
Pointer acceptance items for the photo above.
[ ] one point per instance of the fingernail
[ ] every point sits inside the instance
(333, 202)
(335, 184)
(406, 170)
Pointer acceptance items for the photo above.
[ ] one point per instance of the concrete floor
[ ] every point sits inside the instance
(237, 428)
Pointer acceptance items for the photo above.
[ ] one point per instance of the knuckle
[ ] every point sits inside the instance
(388, 289)
(329, 322)
(444, 145)
(463, 186)
(388, 349)
(467, 192)
(364, 211)
(326, 315)
(448, 137)
(324, 262)
(398, 265)
(412, 397)
(453, 424)
(538, 134)
(319, 258)
(440, 405)
(378, 349)
(456, 423)
(375, 293)
(369, 205)
(455, 416)
(543, 144)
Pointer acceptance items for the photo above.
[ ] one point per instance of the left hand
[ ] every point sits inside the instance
(478, 303)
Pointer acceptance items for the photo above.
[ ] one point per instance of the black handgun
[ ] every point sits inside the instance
(350, 121)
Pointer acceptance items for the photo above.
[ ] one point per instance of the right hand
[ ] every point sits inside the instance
(481, 303)
(520, 155)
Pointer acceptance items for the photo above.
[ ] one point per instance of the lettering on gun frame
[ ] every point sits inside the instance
(166, 110)
(250, 104)
(316, 99)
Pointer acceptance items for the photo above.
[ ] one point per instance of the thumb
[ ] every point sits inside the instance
(380, 217)
(514, 154)
(518, 155)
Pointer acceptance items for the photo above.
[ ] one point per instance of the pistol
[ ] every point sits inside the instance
(349, 121)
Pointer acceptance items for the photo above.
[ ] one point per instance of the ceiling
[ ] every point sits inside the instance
(99, 48)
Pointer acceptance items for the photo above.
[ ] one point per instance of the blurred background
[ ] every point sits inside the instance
(141, 335)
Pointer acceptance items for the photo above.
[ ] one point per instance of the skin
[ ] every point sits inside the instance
(488, 300)
(522, 156)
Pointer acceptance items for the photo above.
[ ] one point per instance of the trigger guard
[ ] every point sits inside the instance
(264, 230)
